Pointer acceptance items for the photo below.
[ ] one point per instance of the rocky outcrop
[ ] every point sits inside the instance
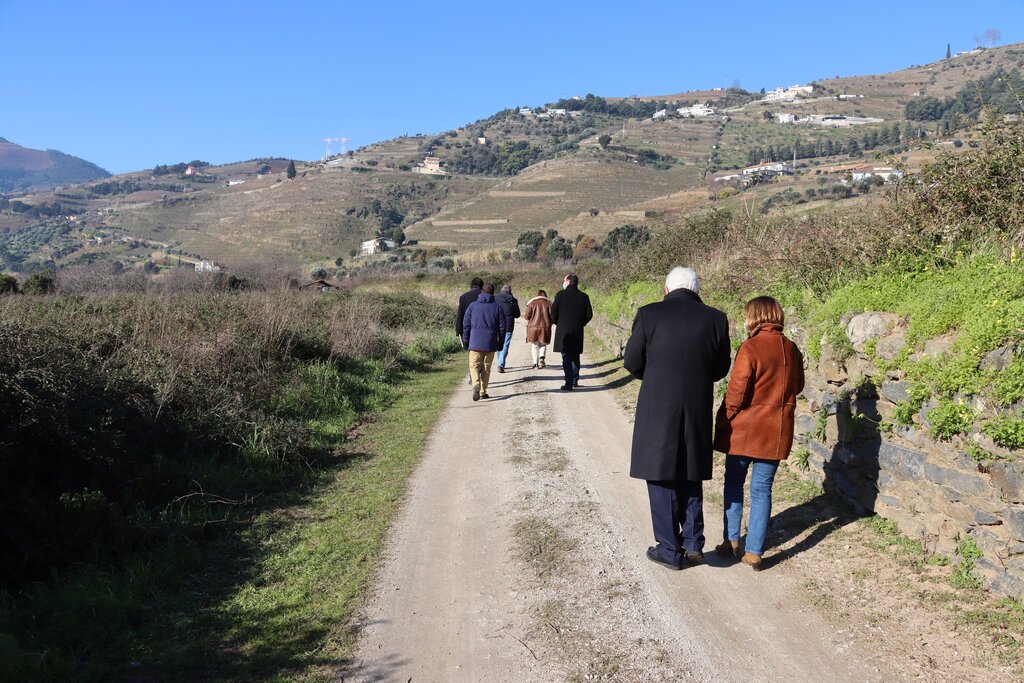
(932, 489)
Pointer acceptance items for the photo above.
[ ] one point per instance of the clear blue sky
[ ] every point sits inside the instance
(128, 85)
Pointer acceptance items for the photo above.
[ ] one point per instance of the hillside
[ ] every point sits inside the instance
(22, 168)
(582, 166)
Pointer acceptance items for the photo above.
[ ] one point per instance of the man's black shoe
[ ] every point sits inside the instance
(566, 387)
(501, 368)
(576, 382)
(476, 393)
(484, 395)
(694, 556)
(652, 555)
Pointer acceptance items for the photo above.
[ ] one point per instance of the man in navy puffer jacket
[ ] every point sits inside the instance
(483, 332)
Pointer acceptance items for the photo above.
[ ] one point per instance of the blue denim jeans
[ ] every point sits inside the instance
(571, 368)
(503, 353)
(761, 478)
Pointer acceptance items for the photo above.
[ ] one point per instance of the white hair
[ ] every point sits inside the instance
(682, 278)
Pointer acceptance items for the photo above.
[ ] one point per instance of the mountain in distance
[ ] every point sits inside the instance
(23, 169)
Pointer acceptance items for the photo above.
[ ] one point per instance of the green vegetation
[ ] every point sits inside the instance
(188, 494)
(963, 575)
(950, 418)
(1006, 431)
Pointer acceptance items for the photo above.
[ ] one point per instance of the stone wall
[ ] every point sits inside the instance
(932, 489)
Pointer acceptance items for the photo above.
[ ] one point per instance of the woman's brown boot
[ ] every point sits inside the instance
(730, 549)
(753, 560)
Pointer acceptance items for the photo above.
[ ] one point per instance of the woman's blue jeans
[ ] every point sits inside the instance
(762, 476)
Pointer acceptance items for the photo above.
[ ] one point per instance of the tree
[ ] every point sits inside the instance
(338, 261)
(604, 141)
(766, 115)
(8, 284)
(559, 248)
(398, 236)
(291, 170)
(926, 108)
(551, 234)
(41, 282)
(318, 273)
(623, 238)
(992, 35)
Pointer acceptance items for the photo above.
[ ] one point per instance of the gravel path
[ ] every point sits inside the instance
(519, 556)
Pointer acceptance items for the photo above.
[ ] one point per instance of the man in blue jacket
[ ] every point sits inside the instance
(510, 306)
(483, 332)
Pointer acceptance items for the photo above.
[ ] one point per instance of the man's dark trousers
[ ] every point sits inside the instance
(571, 368)
(677, 506)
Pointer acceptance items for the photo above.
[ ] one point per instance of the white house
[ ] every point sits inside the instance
(481, 140)
(886, 173)
(205, 266)
(786, 118)
(771, 168)
(697, 110)
(660, 114)
(556, 112)
(430, 166)
(376, 245)
(235, 181)
(788, 94)
(525, 111)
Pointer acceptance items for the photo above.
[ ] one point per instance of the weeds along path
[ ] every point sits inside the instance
(519, 556)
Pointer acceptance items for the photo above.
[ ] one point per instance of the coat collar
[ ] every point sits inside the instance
(485, 298)
(682, 293)
(771, 328)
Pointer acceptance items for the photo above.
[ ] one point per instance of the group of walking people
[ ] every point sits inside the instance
(678, 347)
(485, 322)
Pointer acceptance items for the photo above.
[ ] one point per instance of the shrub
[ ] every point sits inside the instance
(41, 282)
(8, 284)
(1007, 431)
(950, 418)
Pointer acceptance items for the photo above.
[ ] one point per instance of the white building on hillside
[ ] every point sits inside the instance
(886, 173)
(205, 266)
(660, 114)
(697, 110)
(556, 112)
(788, 94)
(786, 118)
(430, 166)
(376, 245)
(770, 168)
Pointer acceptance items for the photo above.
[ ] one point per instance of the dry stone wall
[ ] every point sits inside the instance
(932, 489)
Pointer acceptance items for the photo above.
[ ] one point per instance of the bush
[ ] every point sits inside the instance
(8, 284)
(1007, 431)
(42, 282)
(950, 418)
(626, 237)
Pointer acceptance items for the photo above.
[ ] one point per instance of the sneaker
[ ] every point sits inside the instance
(484, 395)
(694, 556)
(501, 368)
(542, 364)
(476, 393)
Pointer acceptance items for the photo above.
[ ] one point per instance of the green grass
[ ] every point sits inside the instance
(268, 597)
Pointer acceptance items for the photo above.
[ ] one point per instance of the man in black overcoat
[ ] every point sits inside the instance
(465, 299)
(570, 313)
(679, 348)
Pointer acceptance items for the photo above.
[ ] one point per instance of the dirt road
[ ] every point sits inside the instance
(519, 556)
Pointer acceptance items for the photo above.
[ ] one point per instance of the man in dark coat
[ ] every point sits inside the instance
(679, 347)
(483, 331)
(510, 306)
(464, 301)
(570, 313)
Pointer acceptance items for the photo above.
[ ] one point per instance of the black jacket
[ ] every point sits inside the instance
(510, 306)
(570, 313)
(464, 301)
(679, 347)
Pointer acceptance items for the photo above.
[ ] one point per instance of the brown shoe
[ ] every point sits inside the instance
(730, 549)
(753, 560)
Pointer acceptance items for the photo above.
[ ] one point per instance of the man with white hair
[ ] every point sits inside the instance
(679, 348)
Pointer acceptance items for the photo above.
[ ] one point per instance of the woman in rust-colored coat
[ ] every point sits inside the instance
(538, 326)
(754, 427)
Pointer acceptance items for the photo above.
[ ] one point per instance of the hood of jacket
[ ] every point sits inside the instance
(485, 298)
(505, 297)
